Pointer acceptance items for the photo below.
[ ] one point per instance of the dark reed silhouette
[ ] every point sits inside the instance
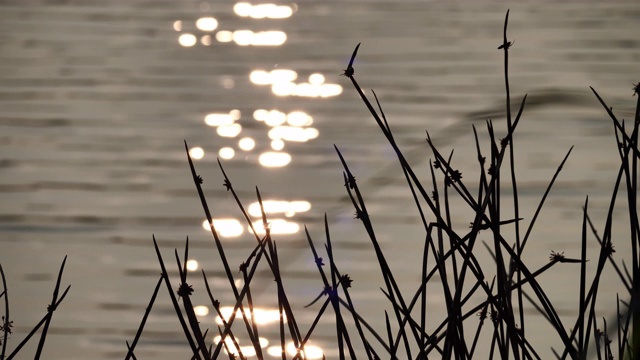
(454, 265)
(7, 324)
(449, 265)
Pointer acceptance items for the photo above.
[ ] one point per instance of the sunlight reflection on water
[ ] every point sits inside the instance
(241, 37)
(192, 265)
(207, 23)
(225, 227)
(246, 144)
(288, 208)
(282, 84)
(226, 153)
(247, 350)
(221, 119)
(274, 159)
(196, 153)
(262, 11)
(276, 227)
(262, 316)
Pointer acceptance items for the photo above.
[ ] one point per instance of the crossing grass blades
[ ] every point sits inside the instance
(6, 327)
(448, 259)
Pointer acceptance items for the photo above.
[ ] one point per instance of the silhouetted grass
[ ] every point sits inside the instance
(7, 325)
(448, 258)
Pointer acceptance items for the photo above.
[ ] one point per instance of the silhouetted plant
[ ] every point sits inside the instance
(448, 256)
(6, 328)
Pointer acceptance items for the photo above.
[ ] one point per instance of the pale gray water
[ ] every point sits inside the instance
(96, 98)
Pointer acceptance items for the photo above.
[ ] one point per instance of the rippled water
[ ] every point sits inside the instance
(97, 99)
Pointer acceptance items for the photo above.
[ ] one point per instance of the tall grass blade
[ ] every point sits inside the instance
(132, 347)
(174, 301)
(6, 323)
(51, 309)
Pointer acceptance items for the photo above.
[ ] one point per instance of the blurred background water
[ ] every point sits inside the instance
(96, 99)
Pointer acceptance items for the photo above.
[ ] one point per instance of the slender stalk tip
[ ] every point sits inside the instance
(349, 71)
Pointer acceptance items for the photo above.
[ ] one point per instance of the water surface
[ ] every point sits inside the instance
(97, 99)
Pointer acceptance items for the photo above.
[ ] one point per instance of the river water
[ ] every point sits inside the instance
(97, 98)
